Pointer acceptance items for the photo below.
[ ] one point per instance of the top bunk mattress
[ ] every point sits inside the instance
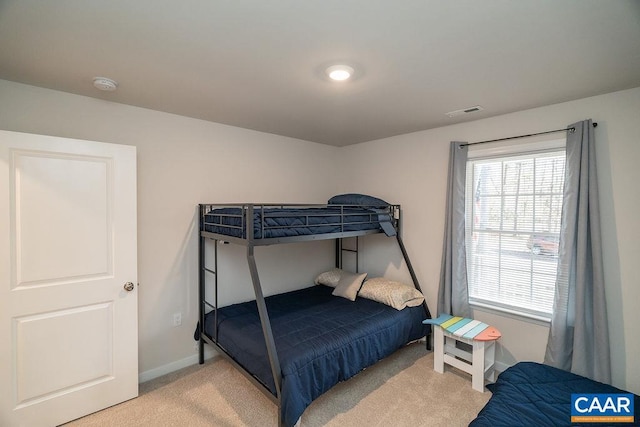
(321, 339)
(277, 222)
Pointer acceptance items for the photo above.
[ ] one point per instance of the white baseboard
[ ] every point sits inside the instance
(174, 366)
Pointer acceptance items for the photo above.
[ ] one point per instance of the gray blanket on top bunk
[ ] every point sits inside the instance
(287, 222)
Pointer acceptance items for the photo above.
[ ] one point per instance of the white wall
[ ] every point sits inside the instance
(411, 170)
(183, 162)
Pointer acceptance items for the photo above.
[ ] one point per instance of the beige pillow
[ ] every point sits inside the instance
(329, 278)
(349, 285)
(394, 294)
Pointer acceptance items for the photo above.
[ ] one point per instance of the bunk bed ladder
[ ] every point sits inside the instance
(201, 299)
(340, 249)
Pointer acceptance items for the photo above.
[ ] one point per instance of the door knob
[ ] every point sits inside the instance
(128, 286)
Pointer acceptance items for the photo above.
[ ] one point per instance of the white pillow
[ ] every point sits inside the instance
(329, 278)
(394, 294)
(349, 285)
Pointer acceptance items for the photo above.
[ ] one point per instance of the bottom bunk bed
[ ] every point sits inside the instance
(321, 339)
(532, 394)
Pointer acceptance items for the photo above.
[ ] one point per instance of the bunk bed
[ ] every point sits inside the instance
(297, 345)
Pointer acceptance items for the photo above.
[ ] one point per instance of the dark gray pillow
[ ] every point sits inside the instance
(357, 199)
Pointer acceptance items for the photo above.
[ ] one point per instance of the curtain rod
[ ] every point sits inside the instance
(522, 136)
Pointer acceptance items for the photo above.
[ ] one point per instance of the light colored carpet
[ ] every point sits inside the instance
(402, 390)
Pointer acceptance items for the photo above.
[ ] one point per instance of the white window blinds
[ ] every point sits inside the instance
(513, 211)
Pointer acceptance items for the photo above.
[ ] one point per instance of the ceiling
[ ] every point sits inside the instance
(260, 64)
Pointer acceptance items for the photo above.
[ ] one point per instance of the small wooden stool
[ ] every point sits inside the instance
(480, 336)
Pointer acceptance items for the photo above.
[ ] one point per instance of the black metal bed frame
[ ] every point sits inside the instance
(249, 240)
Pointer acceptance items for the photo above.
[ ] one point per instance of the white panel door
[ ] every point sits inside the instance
(68, 326)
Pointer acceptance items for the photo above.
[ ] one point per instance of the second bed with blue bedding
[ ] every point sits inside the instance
(321, 340)
(533, 394)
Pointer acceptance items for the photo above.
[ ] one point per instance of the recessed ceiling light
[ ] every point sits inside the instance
(339, 72)
(105, 84)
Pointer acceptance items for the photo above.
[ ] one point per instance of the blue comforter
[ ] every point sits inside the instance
(531, 394)
(286, 222)
(321, 339)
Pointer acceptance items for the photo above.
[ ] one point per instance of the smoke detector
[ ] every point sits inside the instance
(464, 111)
(105, 84)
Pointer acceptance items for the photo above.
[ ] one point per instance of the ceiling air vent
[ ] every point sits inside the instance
(464, 111)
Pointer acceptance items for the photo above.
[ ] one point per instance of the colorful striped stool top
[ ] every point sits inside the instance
(465, 328)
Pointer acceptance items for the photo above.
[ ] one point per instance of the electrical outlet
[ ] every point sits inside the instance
(177, 319)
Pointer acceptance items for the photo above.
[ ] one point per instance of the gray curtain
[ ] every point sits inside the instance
(453, 291)
(578, 336)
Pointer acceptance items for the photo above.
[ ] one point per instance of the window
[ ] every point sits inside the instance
(513, 211)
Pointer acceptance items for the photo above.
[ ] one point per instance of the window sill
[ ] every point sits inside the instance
(499, 311)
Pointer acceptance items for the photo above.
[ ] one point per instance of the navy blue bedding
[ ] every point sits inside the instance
(532, 394)
(286, 222)
(321, 339)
